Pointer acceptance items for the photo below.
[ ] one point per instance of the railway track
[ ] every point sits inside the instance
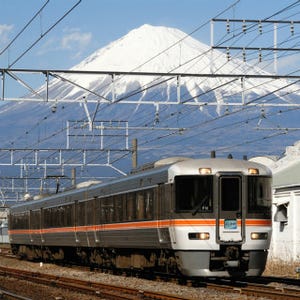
(117, 292)
(9, 295)
(101, 290)
(258, 287)
(257, 290)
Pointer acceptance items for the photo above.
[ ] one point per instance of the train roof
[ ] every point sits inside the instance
(162, 172)
(216, 165)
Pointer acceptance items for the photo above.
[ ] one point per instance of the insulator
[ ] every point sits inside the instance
(53, 108)
(227, 54)
(292, 28)
(244, 27)
(259, 56)
(244, 55)
(260, 27)
(228, 26)
(156, 119)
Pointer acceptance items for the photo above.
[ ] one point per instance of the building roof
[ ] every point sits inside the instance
(286, 170)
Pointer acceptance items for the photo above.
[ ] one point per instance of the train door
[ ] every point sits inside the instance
(229, 222)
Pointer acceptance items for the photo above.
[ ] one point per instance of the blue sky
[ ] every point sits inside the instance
(95, 23)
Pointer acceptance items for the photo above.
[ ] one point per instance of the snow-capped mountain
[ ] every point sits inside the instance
(164, 50)
(169, 130)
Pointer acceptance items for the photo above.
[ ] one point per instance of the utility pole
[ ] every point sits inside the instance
(134, 153)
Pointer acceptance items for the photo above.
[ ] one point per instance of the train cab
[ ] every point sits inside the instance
(222, 218)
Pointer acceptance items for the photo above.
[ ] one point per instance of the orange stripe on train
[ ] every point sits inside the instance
(139, 225)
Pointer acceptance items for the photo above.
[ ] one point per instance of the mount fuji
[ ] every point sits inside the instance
(165, 130)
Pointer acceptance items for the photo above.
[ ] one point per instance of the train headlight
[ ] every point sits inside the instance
(204, 171)
(253, 171)
(259, 235)
(199, 235)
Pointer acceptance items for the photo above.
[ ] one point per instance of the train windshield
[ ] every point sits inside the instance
(194, 193)
(259, 194)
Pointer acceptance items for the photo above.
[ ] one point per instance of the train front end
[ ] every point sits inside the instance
(221, 224)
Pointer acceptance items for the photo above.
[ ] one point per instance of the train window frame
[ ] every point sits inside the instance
(202, 205)
(259, 209)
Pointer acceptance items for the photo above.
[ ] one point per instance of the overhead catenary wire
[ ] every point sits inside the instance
(44, 34)
(24, 28)
(284, 9)
(180, 40)
(142, 89)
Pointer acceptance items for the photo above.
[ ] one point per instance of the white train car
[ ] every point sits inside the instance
(196, 217)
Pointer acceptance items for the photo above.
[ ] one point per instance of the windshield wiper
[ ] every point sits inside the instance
(197, 208)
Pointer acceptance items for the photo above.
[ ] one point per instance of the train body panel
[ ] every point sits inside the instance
(206, 217)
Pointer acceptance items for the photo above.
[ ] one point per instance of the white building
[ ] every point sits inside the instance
(285, 243)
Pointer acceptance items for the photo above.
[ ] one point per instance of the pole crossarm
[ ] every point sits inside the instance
(44, 94)
(53, 156)
(162, 74)
(255, 21)
(255, 49)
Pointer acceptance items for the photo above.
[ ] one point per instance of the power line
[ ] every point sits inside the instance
(24, 28)
(44, 34)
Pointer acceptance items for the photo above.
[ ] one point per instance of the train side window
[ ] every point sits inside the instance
(118, 208)
(52, 217)
(89, 212)
(194, 193)
(124, 201)
(97, 210)
(130, 207)
(46, 212)
(81, 213)
(140, 205)
(68, 215)
(35, 218)
(21, 220)
(61, 214)
(107, 210)
(144, 205)
(149, 204)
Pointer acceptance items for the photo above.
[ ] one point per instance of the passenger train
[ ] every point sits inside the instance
(194, 217)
